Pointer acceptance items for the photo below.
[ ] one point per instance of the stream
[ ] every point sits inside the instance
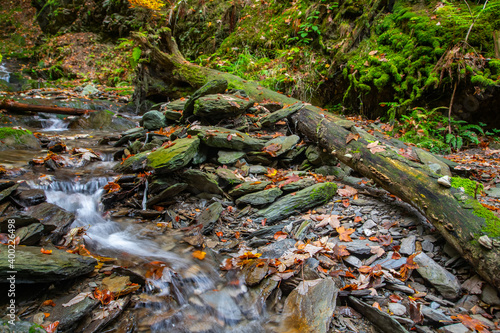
(188, 295)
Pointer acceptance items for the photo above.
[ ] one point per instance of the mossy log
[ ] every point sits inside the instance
(11, 105)
(459, 218)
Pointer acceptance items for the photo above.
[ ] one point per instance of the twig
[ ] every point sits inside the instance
(451, 106)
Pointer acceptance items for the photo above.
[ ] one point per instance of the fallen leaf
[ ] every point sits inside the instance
(415, 314)
(280, 235)
(375, 148)
(200, 255)
(472, 323)
(51, 328)
(352, 136)
(345, 202)
(49, 302)
(42, 250)
(332, 220)
(378, 250)
(77, 299)
(304, 285)
(348, 191)
(344, 234)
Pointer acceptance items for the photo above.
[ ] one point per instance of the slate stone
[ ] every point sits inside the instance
(272, 118)
(223, 304)
(298, 185)
(258, 169)
(285, 143)
(316, 156)
(34, 267)
(397, 309)
(408, 245)
(30, 235)
(21, 220)
(276, 249)
(229, 157)
(214, 108)
(54, 219)
(202, 182)
(102, 120)
(260, 198)
(302, 200)
(69, 316)
(455, 328)
(248, 187)
(223, 138)
(211, 87)
(446, 283)
(227, 177)
(255, 272)
(380, 319)
(490, 295)
(311, 312)
(8, 191)
(434, 315)
(209, 216)
(30, 197)
(167, 194)
(153, 120)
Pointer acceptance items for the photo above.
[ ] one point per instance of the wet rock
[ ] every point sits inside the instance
(30, 197)
(455, 328)
(260, 198)
(446, 283)
(56, 146)
(272, 118)
(34, 267)
(299, 201)
(209, 217)
(490, 296)
(281, 145)
(432, 162)
(223, 305)
(167, 194)
(98, 324)
(228, 177)
(21, 220)
(219, 137)
(17, 138)
(255, 272)
(381, 320)
(30, 235)
(276, 249)
(248, 187)
(357, 246)
(6, 184)
(8, 191)
(211, 87)
(20, 326)
(102, 120)
(408, 245)
(253, 303)
(153, 120)
(214, 108)
(257, 169)
(53, 218)
(298, 185)
(312, 310)
(69, 316)
(130, 136)
(202, 182)
(436, 316)
(316, 156)
(164, 159)
(229, 157)
(397, 309)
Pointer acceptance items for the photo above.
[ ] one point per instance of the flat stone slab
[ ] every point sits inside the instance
(260, 198)
(222, 138)
(446, 283)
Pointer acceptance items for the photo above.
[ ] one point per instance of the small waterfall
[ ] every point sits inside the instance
(145, 197)
(52, 123)
(4, 73)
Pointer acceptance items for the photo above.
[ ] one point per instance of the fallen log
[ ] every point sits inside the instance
(457, 216)
(460, 219)
(12, 105)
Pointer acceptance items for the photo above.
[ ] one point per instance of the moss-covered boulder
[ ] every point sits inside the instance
(260, 198)
(223, 138)
(164, 159)
(17, 138)
(214, 108)
(202, 182)
(102, 120)
(248, 187)
(153, 120)
(210, 88)
(299, 201)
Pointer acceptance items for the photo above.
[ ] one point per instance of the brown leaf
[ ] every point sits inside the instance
(332, 220)
(348, 191)
(77, 299)
(340, 251)
(280, 235)
(375, 148)
(272, 149)
(352, 136)
(415, 313)
(49, 302)
(344, 234)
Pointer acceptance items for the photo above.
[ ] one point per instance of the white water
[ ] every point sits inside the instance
(4, 73)
(53, 123)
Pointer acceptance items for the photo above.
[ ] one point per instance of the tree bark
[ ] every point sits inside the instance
(412, 183)
(22, 107)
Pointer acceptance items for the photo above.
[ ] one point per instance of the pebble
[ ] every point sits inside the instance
(397, 309)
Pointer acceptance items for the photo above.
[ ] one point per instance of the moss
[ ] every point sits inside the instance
(491, 223)
(14, 132)
(470, 187)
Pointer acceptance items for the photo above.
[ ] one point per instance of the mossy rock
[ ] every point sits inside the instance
(202, 182)
(248, 187)
(219, 137)
(260, 198)
(272, 118)
(153, 120)
(210, 88)
(302, 200)
(17, 138)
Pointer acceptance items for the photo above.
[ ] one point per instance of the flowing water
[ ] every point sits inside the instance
(4, 73)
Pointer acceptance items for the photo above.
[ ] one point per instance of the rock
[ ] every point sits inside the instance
(310, 310)
(228, 177)
(490, 296)
(89, 89)
(167, 194)
(20, 326)
(455, 328)
(357, 246)
(30, 197)
(202, 182)
(229, 157)
(381, 320)
(6, 184)
(272, 118)
(256, 298)
(172, 115)
(211, 87)
(255, 272)
(8, 191)
(260, 198)
(17, 138)
(53, 218)
(299, 201)
(408, 245)
(316, 156)
(445, 181)
(446, 283)
(34, 267)
(209, 217)
(397, 309)
(257, 169)
(214, 108)
(432, 162)
(276, 249)
(20, 221)
(280, 145)
(163, 160)
(69, 316)
(153, 120)
(223, 305)
(433, 315)
(298, 185)
(177, 106)
(30, 235)
(248, 187)
(222, 138)
(102, 120)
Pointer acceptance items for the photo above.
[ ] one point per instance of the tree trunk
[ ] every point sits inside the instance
(16, 106)
(448, 209)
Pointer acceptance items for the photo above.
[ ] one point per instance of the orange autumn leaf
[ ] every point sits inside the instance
(237, 235)
(358, 219)
(42, 250)
(350, 287)
(344, 234)
(219, 234)
(104, 296)
(112, 187)
(49, 302)
(46, 314)
(376, 305)
(471, 323)
(345, 202)
(51, 328)
(352, 136)
(200, 255)
(280, 235)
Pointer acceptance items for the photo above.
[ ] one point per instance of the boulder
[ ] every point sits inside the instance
(260, 198)
(32, 266)
(30, 197)
(202, 182)
(17, 138)
(446, 283)
(223, 138)
(229, 157)
(54, 219)
(299, 201)
(211, 87)
(214, 108)
(248, 187)
(281, 145)
(272, 118)
(153, 120)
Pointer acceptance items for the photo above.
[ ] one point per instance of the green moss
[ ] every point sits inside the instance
(470, 187)
(324, 193)
(492, 223)
(14, 132)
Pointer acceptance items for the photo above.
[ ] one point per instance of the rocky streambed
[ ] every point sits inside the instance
(215, 216)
